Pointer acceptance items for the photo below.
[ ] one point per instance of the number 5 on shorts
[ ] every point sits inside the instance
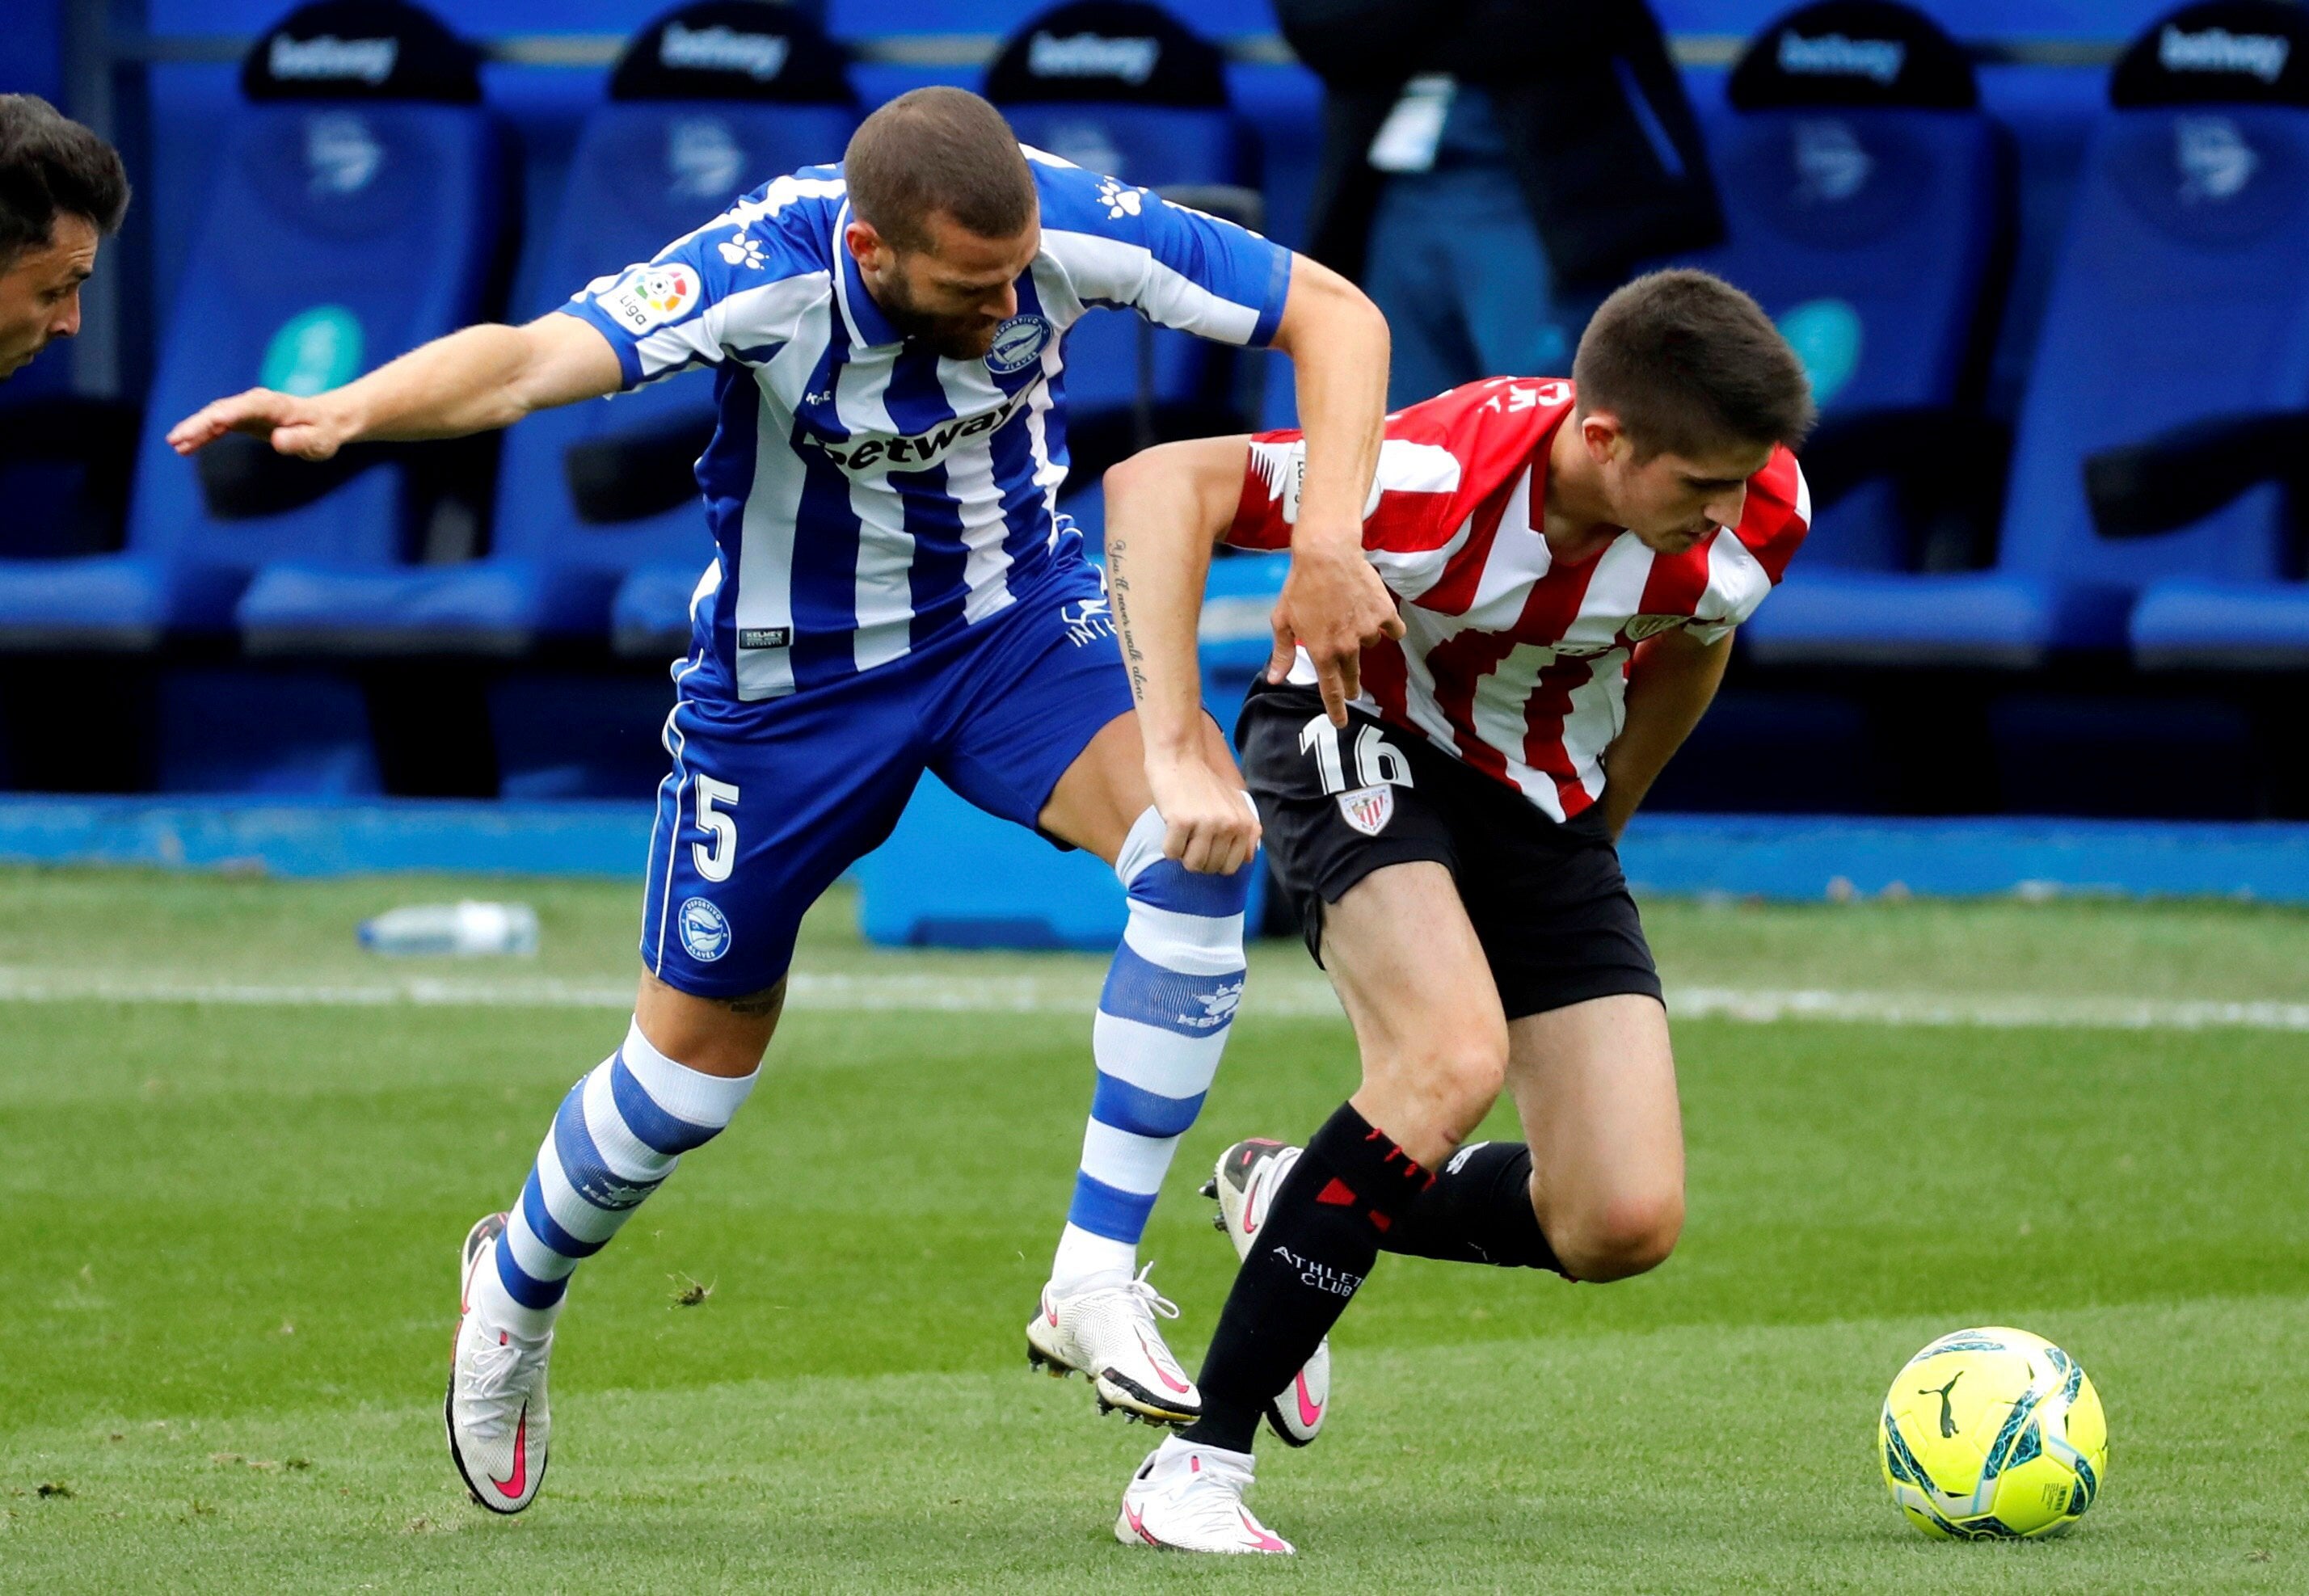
(716, 862)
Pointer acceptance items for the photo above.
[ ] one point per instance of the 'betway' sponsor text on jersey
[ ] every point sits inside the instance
(1510, 661)
(868, 497)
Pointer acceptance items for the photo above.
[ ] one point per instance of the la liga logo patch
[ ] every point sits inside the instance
(652, 295)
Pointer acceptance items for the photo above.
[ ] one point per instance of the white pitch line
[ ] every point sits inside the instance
(1916, 1008)
(1290, 997)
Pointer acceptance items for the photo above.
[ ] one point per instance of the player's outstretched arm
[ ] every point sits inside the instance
(1671, 682)
(1165, 510)
(472, 381)
(1334, 605)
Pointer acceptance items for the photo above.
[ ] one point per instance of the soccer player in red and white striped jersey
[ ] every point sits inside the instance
(1516, 649)
(1568, 558)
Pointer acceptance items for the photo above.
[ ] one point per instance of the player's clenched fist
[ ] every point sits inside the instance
(1334, 606)
(307, 428)
(1209, 824)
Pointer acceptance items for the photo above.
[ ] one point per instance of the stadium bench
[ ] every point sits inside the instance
(353, 216)
(2189, 238)
(590, 493)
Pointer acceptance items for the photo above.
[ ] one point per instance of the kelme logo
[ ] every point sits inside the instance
(315, 350)
(1826, 336)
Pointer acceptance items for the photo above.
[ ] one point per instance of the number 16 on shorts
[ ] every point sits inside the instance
(1379, 768)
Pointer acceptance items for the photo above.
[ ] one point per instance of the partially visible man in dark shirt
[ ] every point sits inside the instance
(1492, 169)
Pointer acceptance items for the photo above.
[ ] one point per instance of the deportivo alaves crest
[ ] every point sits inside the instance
(1019, 343)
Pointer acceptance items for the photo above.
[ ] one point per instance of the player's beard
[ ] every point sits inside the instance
(953, 337)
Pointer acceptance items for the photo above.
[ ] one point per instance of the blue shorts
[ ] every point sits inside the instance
(769, 802)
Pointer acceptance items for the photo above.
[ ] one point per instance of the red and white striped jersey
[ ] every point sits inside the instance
(1514, 663)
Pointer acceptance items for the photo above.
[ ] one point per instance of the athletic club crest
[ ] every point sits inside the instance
(1368, 809)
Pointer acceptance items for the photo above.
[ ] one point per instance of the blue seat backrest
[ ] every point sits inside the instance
(644, 176)
(1867, 200)
(1124, 89)
(336, 238)
(2182, 293)
(337, 233)
(1868, 235)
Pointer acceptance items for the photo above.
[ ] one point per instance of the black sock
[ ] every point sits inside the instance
(1320, 1238)
(1478, 1210)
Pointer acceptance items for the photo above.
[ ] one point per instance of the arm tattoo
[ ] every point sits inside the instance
(1118, 583)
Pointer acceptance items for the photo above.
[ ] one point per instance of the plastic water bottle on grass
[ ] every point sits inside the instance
(468, 929)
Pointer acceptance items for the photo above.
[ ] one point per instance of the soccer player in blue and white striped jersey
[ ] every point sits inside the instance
(894, 592)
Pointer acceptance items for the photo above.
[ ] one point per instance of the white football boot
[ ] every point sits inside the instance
(1189, 1498)
(1250, 1174)
(499, 1426)
(1110, 1334)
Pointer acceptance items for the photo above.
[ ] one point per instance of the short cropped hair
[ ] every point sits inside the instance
(50, 165)
(937, 149)
(1689, 363)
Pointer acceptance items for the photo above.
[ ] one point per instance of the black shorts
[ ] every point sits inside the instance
(1547, 900)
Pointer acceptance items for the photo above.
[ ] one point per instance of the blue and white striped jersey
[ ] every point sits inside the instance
(867, 496)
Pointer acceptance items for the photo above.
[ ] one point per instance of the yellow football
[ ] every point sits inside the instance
(1992, 1435)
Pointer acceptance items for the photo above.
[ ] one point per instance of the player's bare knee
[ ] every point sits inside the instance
(1626, 1235)
(712, 1036)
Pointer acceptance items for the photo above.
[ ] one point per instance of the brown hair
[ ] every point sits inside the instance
(937, 149)
(1688, 363)
(50, 165)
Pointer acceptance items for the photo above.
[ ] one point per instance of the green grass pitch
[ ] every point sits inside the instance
(227, 1234)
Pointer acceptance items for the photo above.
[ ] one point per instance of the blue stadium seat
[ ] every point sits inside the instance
(2249, 611)
(708, 101)
(358, 209)
(2194, 624)
(1868, 202)
(1123, 87)
(2189, 247)
(1866, 198)
(2177, 479)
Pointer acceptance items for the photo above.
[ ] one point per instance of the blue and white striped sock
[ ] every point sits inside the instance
(1163, 1023)
(617, 1136)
